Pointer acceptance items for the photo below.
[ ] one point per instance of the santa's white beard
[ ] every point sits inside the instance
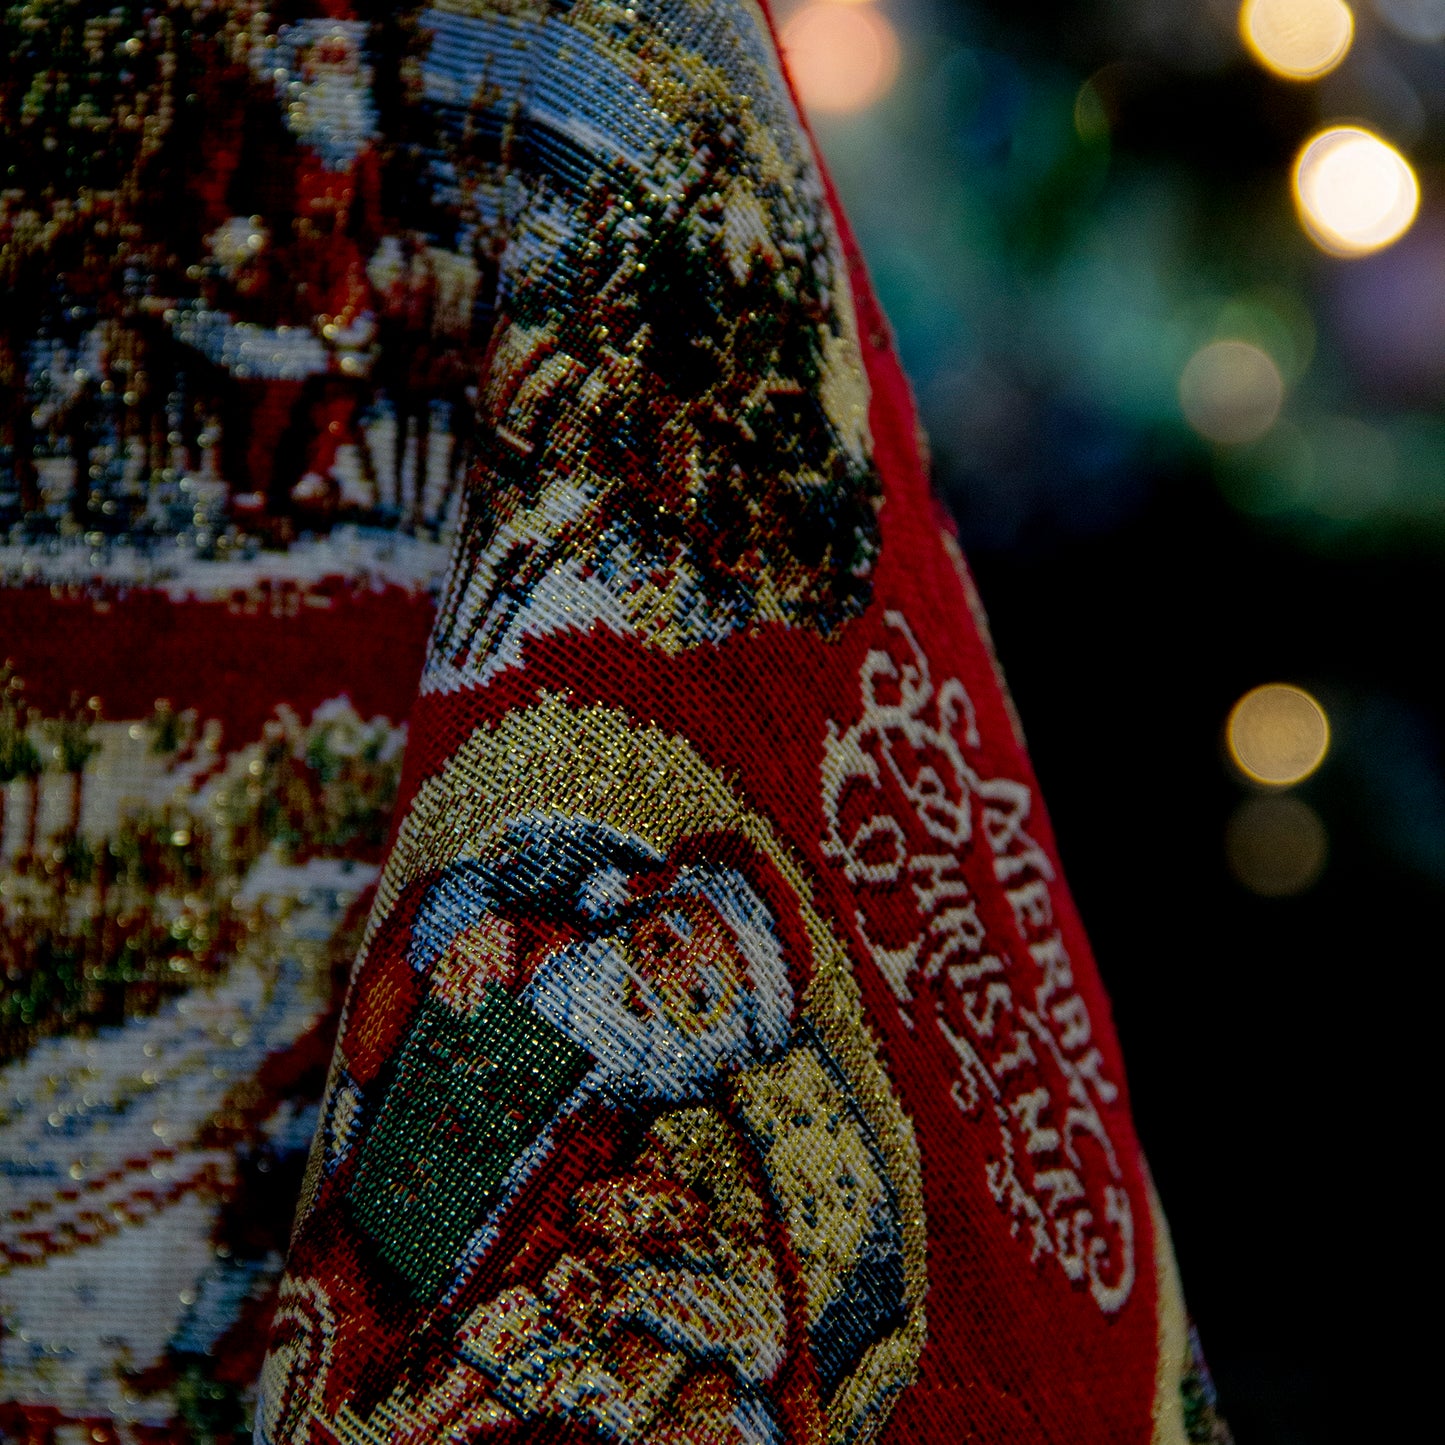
(333, 114)
(589, 992)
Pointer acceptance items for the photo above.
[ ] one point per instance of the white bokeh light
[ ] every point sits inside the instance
(1355, 192)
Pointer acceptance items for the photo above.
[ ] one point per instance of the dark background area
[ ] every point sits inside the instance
(1278, 1048)
(1060, 203)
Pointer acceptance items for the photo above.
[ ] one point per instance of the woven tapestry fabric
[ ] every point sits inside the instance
(475, 614)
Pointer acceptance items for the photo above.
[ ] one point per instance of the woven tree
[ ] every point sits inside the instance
(19, 757)
(74, 745)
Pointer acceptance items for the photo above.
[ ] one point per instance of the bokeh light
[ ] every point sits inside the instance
(1276, 846)
(1355, 192)
(1091, 114)
(842, 57)
(1231, 392)
(1277, 734)
(1297, 39)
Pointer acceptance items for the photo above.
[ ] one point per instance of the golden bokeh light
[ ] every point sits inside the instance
(1231, 392)
(842, 56)
(1277, 734)
(1277, 846)
(1297, 39)
(1355, 193)
(1091, 115)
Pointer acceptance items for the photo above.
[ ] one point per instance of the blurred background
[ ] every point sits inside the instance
(1169, 280)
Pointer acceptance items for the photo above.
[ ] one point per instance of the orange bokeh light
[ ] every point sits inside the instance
(842, 57)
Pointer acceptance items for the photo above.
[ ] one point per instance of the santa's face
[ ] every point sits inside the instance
(688, 989)
(323, 85)
(686, 963)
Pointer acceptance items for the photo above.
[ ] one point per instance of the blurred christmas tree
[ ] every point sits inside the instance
(1064, 204)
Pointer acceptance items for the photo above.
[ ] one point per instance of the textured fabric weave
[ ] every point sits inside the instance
(723, 1059)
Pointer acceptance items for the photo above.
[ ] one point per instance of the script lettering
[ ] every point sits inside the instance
(912, 818)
